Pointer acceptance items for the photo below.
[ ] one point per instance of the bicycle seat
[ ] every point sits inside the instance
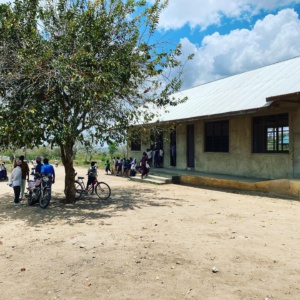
(80, 177)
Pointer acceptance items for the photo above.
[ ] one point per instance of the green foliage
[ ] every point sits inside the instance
(32, 154)
(80, 72)
(112, 148)
(84, 67)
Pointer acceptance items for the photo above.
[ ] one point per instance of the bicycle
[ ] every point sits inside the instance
(101, 188)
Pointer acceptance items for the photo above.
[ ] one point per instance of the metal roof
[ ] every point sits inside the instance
(240, 93)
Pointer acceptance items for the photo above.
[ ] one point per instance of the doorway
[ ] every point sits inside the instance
(173, 147)
(157, 146)
(190, 146)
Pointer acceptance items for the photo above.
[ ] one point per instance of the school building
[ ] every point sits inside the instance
(243, 125)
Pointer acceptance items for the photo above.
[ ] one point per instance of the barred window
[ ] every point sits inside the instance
(271, 134)
(217, 136)
(136, 144)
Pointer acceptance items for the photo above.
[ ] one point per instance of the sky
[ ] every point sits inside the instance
(228, 37)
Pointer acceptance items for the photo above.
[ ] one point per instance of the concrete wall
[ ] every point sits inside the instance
(295, 139)
(240, 160)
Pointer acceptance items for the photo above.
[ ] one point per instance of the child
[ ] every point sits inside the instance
(113, 166)
(145, 166)
(117, 162)
(92, 174)
(133, 168)
(3, 172)
(125, 167)
(120, 165)
(107, 167)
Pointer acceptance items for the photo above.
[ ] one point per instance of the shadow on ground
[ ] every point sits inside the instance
(90, 208)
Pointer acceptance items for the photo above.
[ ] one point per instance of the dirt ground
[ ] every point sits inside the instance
(150, 242)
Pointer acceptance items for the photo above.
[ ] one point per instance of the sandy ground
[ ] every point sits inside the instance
(150, 242)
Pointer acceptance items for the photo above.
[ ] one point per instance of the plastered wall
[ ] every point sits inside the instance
(240, 160)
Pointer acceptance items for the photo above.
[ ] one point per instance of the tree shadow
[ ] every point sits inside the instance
(88, 209)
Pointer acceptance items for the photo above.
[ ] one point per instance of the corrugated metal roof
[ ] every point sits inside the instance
(238, 93)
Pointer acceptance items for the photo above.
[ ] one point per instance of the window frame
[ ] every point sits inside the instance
(269, 132)
(135, 142)
(216, 136)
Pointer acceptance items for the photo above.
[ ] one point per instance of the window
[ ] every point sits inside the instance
(135, 140)
(156, 137)
(271, 134)
(217, 136)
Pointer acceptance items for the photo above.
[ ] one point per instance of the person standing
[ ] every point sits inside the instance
(119, 165)
(16, 181)
(132, 167)
(160, 157)
(107, 167)
(113, 168)
(3, 171)
(48, 170)
(25, 174)
(38, 167)
(117, 162)
(149, 155)
(144, 164)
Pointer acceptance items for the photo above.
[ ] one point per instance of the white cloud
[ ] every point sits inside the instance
(272, 39)
(204, 13)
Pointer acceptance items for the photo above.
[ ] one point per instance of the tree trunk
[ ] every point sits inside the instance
(67, 160)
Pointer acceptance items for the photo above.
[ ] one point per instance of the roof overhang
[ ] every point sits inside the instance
(211, 117)
(292, 97)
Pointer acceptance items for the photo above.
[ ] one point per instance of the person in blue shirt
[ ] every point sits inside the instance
(48, 170)
(38, 167)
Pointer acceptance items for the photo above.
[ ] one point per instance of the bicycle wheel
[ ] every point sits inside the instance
(45, 198)
(79, 189)
(103, 190)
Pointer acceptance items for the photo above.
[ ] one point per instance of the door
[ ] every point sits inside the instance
(190, 146)
(157, 145)
(173, 147)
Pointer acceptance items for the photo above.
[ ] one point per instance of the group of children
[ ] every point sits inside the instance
(128, 167)
(155, 156)
(122, 167)
(119, 167)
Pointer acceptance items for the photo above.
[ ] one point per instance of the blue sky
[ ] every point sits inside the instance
(231, 36)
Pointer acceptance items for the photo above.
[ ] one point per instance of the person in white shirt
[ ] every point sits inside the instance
(3, 172)
(149, 155)
(16, 181)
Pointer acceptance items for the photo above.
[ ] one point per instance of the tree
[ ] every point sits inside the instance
(112, 148)
(72, 68)
(88, 147)
(122, 148)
